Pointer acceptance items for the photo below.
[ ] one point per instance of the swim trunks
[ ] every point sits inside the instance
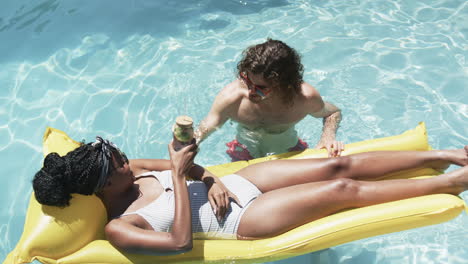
(250, 144)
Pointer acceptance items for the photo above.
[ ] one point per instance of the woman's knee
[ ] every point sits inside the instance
(345, 186)
(341, 166)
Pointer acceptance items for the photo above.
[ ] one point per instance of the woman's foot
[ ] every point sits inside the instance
(448, 157)
(459, 179)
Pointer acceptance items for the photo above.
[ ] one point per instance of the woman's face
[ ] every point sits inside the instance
(122, 174)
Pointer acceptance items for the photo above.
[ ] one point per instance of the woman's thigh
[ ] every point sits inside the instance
(286, 208)
(272, 175)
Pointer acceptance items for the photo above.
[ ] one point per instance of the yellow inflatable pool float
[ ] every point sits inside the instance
(75, 234)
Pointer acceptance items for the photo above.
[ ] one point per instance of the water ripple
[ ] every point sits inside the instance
(387, 64)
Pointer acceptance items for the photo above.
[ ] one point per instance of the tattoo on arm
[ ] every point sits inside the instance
(331, 120)
(331, 124)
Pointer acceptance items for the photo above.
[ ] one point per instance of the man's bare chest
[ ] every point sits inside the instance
(268, 118)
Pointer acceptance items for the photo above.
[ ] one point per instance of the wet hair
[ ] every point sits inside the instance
(279, 64)
(77, 172)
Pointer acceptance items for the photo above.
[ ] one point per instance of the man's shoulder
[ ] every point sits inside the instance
(310, 98)
(231, 93)
(229, 97)
(308, 91)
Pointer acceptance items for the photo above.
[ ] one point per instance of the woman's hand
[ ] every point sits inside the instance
(182, 160)
(219, 197)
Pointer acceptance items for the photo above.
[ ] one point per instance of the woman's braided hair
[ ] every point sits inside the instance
(76, 172)
(279, 64)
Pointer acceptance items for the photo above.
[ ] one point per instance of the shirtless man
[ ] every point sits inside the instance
(267, 100)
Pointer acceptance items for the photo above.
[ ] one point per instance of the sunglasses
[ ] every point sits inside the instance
(261, 91)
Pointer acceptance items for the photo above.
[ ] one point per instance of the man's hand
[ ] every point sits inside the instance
(333, 147)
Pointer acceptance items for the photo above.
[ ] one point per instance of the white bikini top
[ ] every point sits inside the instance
(160, 212)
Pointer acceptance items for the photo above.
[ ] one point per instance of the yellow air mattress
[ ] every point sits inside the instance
(75, 234)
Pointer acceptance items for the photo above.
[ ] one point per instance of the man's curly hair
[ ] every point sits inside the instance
(279, 64)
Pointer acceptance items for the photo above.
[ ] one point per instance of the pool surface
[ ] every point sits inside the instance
(125, 69)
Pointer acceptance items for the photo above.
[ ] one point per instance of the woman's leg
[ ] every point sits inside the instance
(286, 208)
(277, 174)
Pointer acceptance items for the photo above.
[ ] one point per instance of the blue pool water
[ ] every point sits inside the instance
(125, 69)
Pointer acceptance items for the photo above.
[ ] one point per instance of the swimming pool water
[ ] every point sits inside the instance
(125, 69)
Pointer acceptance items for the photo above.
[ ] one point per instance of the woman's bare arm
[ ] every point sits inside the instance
(139, 166)
(131, 238)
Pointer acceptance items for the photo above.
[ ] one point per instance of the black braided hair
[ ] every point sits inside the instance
(76, 172)
(279, 65)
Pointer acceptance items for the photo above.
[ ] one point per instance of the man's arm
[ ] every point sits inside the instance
(331, 119)
(207, 126)
(218, 114)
